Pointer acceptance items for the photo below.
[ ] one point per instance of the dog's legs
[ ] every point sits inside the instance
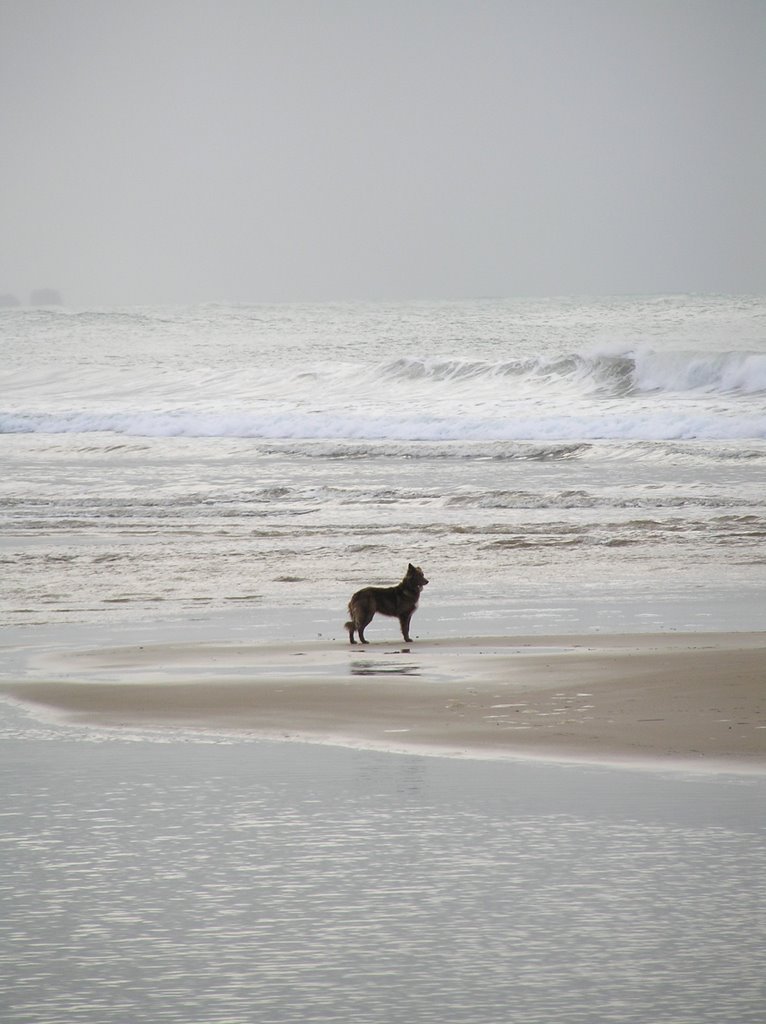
(360, 615)
(362, 623)
(404, 622)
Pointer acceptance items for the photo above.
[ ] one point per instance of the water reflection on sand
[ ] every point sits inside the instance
(215, 882)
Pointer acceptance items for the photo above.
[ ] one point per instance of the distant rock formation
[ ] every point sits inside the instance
(7, 300)
(45, 297)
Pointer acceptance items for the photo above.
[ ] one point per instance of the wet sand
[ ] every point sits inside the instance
(637, 697)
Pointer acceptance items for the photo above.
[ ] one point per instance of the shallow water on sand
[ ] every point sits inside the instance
(205, 882)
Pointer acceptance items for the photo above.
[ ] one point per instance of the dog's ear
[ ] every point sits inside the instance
(411, 568)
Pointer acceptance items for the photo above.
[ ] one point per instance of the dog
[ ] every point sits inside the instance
(399, 601)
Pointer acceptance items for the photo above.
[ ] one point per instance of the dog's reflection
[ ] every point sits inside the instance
(364, 667)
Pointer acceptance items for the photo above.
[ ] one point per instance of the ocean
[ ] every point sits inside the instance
(231, 474)
(554, 465)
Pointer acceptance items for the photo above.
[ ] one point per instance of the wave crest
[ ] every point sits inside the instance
(615, 373)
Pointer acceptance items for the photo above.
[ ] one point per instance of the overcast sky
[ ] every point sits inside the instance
(266, 150)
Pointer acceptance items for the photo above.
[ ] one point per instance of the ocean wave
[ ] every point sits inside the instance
(488, 451)
(640, 394)
(603, 372)
(628, 424)
(579, 499)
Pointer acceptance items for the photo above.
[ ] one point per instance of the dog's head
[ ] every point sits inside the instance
(415, 575)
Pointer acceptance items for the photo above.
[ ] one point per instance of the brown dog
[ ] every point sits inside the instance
(399, 601)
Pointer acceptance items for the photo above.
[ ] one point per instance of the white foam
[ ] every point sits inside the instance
(628, 425)
(724, 372)
(616, 394)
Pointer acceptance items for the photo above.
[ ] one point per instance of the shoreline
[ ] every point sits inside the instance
(695, 699)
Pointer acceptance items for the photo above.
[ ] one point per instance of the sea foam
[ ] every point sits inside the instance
(640, 424)
(641, 394)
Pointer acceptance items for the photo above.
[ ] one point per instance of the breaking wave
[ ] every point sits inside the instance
(638, 424)
(637, 395)
(618, 373)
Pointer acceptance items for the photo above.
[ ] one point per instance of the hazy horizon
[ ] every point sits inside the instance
(257, 152)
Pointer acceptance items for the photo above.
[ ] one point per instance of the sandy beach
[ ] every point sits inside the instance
(693, 697)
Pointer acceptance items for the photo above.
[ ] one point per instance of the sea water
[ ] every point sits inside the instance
(554, 465)
(260, 883)
(233, 473)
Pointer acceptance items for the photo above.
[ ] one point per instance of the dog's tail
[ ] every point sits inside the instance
(349, 626)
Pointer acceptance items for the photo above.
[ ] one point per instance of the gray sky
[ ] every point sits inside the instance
(257, 150)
